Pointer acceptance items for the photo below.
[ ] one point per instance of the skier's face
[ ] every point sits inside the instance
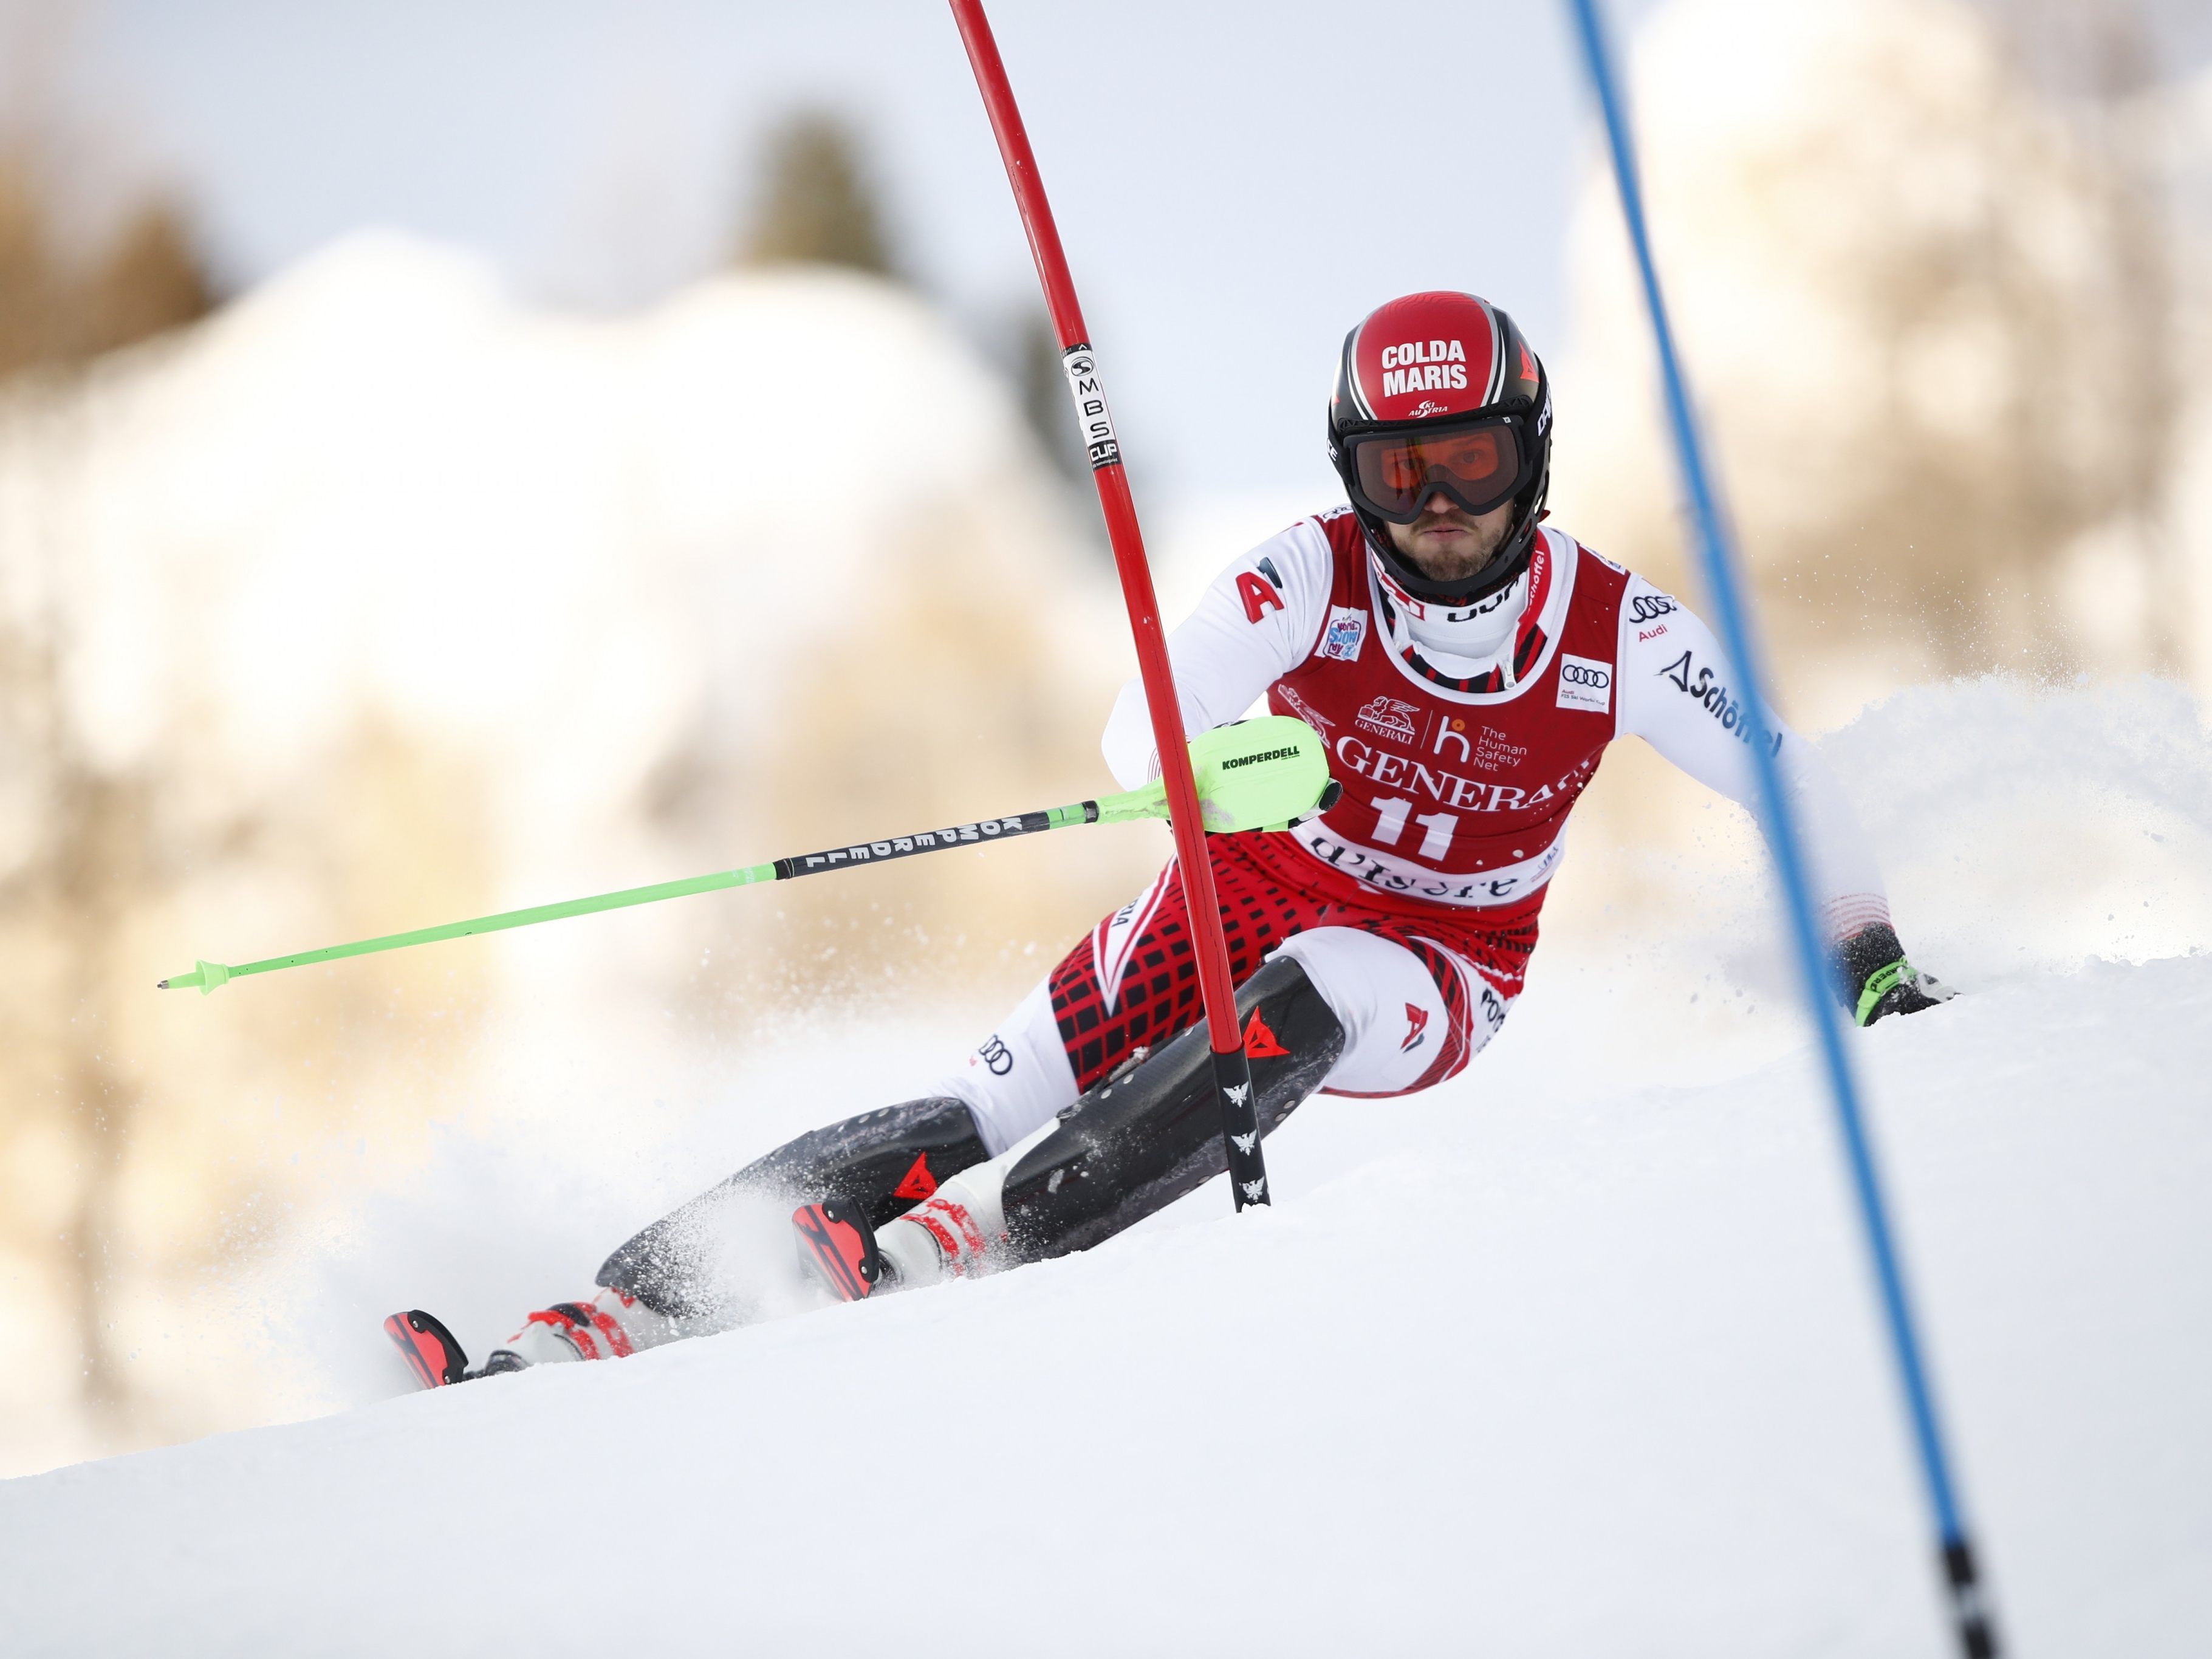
(1447, 543)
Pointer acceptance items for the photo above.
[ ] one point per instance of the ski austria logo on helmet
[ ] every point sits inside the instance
(1585, 682)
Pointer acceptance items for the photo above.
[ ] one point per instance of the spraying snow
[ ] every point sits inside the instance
(1575, 1355)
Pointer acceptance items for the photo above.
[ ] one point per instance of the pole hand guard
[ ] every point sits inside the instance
(1263, 773)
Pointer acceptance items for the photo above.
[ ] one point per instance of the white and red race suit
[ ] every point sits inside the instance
(1462, 740)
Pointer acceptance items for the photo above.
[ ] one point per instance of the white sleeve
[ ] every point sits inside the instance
(1678, 692)
(1255, 624)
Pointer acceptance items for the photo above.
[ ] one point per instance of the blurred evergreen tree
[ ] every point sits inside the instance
(57, 311)
(151, 280)
(818, 202)
(1042, 384)
(27, 324)
(69, 889)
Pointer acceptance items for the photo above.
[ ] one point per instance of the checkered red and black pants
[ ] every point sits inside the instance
(1133, 983)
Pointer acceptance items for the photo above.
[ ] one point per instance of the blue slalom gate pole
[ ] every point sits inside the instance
(1969, 1612)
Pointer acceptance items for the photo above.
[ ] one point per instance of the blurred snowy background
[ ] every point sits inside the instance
(455, 458)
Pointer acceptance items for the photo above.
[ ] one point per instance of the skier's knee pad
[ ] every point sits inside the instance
(1142, 1139)
(888, 1160)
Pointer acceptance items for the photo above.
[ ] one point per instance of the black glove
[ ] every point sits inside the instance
(1873, 978)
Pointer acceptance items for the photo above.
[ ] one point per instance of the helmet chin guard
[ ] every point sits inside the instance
(1414, 373)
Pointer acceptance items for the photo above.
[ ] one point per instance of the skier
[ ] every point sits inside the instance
(1466, 665)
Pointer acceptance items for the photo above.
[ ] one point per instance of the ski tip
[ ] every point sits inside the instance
(427, 1347)
(838, 1246)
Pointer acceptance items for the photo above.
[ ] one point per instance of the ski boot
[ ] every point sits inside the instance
(948, 1235)
(609, 1326)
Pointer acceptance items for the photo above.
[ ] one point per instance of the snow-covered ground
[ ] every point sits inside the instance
(1574, 1356)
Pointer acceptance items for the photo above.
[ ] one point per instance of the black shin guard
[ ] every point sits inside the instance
(885, 1161)
(1134, 1144)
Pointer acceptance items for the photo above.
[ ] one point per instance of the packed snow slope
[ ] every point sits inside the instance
(1575, 1356)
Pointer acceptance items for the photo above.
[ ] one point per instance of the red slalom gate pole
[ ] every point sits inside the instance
(1232, 1073)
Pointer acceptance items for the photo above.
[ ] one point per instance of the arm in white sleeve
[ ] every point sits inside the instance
(1256, 623)
(1680, 693)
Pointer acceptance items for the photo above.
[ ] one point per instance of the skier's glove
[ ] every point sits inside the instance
(1875, 978)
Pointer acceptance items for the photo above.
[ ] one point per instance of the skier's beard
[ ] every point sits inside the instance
(1447, 544)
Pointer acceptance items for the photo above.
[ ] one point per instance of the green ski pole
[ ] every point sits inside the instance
(1258, 774)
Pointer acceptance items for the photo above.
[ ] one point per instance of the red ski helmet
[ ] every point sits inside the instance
(1439, 393)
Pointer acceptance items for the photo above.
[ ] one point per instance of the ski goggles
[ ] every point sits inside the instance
(1479, 465)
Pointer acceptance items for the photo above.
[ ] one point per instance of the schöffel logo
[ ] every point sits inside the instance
(1585, 682)
(1720, 702)
(1235, 761)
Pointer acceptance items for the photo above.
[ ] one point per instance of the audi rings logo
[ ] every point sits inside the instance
(1585, 682)
(1650, 607)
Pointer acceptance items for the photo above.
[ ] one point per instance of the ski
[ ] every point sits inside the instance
(838, 1247)
(427, 1347)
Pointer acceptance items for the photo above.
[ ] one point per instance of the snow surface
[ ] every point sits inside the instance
(1575, 1355)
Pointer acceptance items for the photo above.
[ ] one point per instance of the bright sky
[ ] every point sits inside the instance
(1236, 184)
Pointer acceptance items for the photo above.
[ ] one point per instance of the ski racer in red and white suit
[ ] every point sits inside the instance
(1377, 946)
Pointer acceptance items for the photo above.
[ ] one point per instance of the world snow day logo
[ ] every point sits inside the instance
(1348, 632)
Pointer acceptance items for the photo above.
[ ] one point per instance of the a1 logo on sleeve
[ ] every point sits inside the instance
(1585, 682)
